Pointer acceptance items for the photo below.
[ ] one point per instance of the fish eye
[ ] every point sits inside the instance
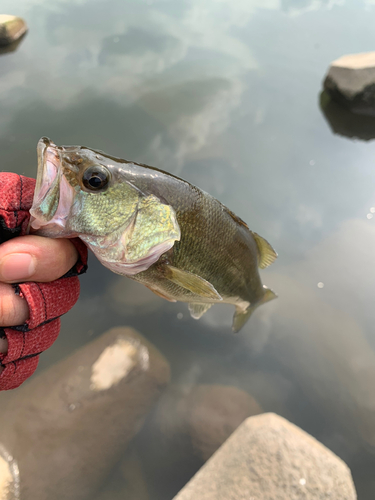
(96, 178)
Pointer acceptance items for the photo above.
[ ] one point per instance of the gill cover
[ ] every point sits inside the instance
(152, 231)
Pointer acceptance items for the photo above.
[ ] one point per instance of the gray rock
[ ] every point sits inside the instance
(127, 297)
(351, 82)
(127, 481)
(268, 458)
(197, 420)
(338, 382)
(12, 28)
(68, 427)
(187, 426)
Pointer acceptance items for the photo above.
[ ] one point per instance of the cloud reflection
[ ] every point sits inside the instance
(187, 74)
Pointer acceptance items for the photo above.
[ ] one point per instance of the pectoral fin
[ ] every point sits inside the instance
(192, 282)
(198, 309)
(266, 254)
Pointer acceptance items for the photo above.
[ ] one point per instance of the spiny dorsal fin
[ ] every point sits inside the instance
(266, 254)
(191, 282)
(235, 217)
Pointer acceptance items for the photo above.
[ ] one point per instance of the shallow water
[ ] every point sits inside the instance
(226, 95)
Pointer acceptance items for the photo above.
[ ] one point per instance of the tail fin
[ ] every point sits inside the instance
(240, 317)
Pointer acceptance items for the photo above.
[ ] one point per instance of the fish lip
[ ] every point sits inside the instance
(50, 175)
(48, 166)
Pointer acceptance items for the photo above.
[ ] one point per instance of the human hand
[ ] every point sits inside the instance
(32, 297)
(29, 258)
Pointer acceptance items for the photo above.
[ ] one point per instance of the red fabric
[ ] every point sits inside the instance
(46, 301)
(15, 373)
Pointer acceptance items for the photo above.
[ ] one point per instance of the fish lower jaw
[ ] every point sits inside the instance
(53, 229)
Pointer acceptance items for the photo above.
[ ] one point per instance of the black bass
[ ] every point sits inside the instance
(153, 227)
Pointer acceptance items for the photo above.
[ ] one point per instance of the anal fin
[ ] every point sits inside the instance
(197, 309)
(193, 282)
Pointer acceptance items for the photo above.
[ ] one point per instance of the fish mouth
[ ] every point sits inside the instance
(53, 195)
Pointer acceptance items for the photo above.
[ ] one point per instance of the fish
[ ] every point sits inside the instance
(153, 227)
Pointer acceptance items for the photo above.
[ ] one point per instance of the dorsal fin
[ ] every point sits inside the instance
(266, 254)
(235, 217)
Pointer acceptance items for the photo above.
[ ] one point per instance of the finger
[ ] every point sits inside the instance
(33, 258)
(3, 346)
(13, 309)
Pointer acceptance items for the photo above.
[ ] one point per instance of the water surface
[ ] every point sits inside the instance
(226, 95)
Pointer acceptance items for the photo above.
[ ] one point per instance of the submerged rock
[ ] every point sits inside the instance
(188, 425)
(269, 458)
(9, 476)
(351, 82)
(199, 419)
(12, 28)
(127, 297)
(68, 427)
(127, 482)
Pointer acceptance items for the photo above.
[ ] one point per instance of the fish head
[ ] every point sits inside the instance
(82, 192)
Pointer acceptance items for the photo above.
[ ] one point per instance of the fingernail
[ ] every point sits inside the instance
(17, 267)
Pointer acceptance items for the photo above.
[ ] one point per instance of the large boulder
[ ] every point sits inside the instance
(351, 82)
(69, 426)
(269, 458)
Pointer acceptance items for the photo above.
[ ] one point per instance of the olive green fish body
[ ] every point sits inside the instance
(152, 227)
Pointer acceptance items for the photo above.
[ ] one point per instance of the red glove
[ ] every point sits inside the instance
(46, 301)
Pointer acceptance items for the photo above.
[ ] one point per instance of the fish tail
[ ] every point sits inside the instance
(241, 316)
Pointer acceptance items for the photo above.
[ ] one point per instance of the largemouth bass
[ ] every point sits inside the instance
(153, 227)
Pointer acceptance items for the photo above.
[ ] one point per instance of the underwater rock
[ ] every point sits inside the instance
(9, 476)
(12, 28)
(330, 353)
(127, 297)
(351, 82)
(266, 458)
(201, 418)
(69, 426)
(127, 481)
(188, 425)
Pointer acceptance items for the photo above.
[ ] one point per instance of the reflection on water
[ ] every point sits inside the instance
(344, 122)
(12, 47)
(225, 94)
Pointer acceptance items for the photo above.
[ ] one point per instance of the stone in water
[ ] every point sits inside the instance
(351, 82)
(12, 28)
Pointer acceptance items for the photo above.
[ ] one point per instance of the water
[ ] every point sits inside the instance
(226, 95)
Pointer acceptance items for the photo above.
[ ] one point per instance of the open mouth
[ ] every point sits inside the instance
(53, 196)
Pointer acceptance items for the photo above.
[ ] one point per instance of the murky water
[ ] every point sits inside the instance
(226, 95)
